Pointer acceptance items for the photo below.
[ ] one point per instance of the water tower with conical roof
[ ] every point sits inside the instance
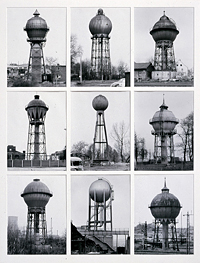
(164, 123)
(36, 29)
(100, 27)
(36, 146)
(165, 207)
(164, 33)
(36, 195)
(100, 141)
(101, 195)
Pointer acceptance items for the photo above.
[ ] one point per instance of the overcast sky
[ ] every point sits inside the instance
(55, 208)
(18, 47)
(18, 123)
(119, 36)
(144, 20)
(179, 185)
(120, 205)
(83, 115)
(147, 103)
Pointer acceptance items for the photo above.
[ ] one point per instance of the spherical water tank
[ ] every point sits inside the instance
(36, 28)
(164, 29)
(98, 189)
(100, 103)
(164, 120)
(100, 24)
(165, 205)
(36, 194)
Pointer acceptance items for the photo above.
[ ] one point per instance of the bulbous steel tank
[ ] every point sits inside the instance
(100, 24)
(164, 120)
(97, 190)
(165, 205)
(36, 109)
(164, 29)
(100, 103)
(36, 28)
(36, 194)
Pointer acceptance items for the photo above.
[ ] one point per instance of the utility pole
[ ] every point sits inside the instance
(188, 231)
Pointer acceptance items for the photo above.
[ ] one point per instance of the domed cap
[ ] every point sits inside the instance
(36, 103)
(36, 27)
(100, 24)
(36, 194)
(164, 22)
(165, 205)
(100, 103)
(98, 189)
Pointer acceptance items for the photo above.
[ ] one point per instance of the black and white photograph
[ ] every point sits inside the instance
(164, 130)
(164, 214)
(100, 47)
(164, 46)
(36, 131)
(36, 47)
(100, 214)
(36, 214)
(100, 131)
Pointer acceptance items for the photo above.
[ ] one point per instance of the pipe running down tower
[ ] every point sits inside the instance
(165, 207)
(36, 146)
(101, 196)
(36, 29)
(100, 27)
(164, 33)
(100, 142)
(164, 123)
(36, 195)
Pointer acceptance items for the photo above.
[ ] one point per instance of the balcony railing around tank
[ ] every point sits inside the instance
(166, 119)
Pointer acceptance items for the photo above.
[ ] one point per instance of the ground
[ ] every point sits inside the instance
(164, 84)
(92, 83)
(115, 167)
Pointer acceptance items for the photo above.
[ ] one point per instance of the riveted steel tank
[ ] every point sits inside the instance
(164, 29)
(100, 25)
(36, 28)
(36, 194)
(98, 189)
(164, 120)
(165, 206)
(100, 103)
(36, 109)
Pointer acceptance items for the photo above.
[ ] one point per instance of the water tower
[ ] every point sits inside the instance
(36, 195)
(100, 141)
(164, 33)
(100, 27)
(165, 208)
(164, 123)
(100, 209)
(36, 147)
(36, 29)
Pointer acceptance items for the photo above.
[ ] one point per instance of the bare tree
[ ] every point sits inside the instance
(121, 137)
(79, 148)
(140, 148)
(50, 61)
(187, 135)
(75, 49)
(122, 68)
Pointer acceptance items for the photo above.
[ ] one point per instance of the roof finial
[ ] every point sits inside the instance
(165, 189)
(164, 13)
(163, 98)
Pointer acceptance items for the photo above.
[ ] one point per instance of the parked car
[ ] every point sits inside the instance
(119, 83)
(76, 164)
